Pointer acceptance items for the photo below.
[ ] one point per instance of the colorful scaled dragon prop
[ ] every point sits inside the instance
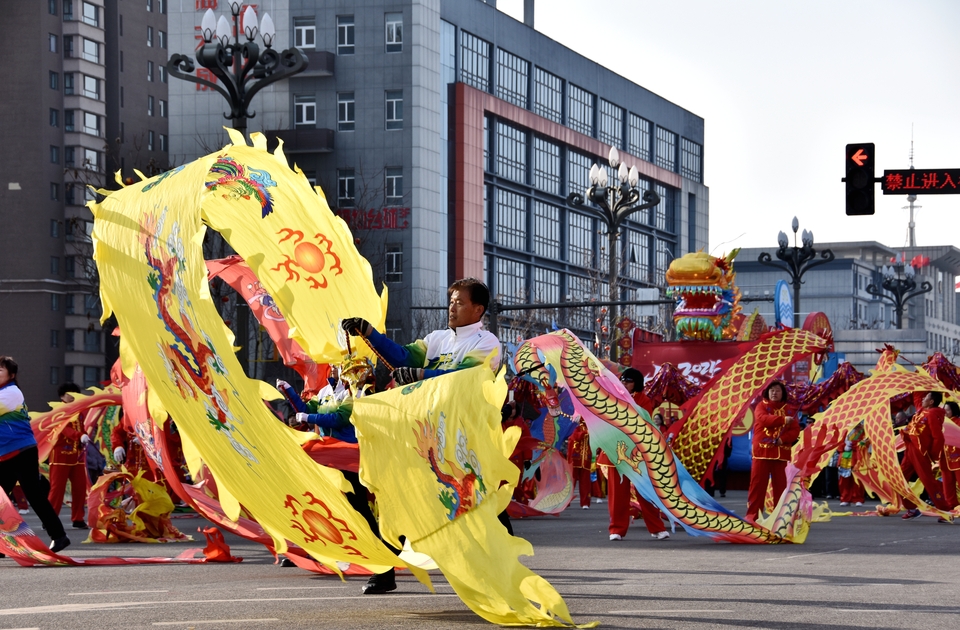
(627, 436)
(707, 299)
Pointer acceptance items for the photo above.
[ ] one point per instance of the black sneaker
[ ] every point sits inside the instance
(80, 525)
(380, 583)
(914, 513)
(60, 544)
(286, 562)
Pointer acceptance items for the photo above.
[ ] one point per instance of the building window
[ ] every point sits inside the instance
(54, 338)
(91, 376)
(663, 211)
(54, 302)
(664, 257)
(394, 185)
(578, 172)
(346, 188)
(69, 304)
(54, 191)
(511, 153)
(548, 95)
(91, 124)
(91, 87)
(345, 35)
(346, 111)
(150, 36)
(68, 160)
(305, 110)
(163, 73)
(666, 149)
(54, 229)
(581, 239)
(546, 166)
(513, 73)
(638, 255)
(394, 268)
(70, 266)
(53, 42)
(67, 10)
(611, 124)
(150, 5)
(474, 61)
(54, 117)
(150, 138)
(163, 143)
(54, 376)
(91, 14)
(55, 265)
(54, 154)
(394, 32)
(68, 120)
(638, 137)
(304, 33)
(691, 164)
(91, 341)
(52, 7)
(54, 81)
(91, 50)
(691, 222)
(150, 71)
(511, 220)
(121, 62)
(580, 110)
(68, 344)
(149, 106)
(67, 82)
(546, 230)
(394, 109)
(162, 39)
(91, 160)
(163, 108)
(511, 281)
(546, 286)
(91, 304)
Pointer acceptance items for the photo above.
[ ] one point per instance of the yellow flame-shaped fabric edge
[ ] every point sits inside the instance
(869, 401)
(147, 239)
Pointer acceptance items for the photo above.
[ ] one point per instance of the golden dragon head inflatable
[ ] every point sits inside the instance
(707, 299)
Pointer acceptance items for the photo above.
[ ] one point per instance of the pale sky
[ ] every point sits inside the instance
(782, 87)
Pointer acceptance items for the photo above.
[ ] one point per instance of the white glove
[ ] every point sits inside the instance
(84, 439)
(281, 384)
(302, 418)
(119, 454)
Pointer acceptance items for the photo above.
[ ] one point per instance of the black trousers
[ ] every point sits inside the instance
(25, 468)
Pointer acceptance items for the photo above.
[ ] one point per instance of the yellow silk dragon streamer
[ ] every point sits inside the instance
(628, 437)
(148, 239)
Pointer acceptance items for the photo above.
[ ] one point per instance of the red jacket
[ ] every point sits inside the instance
(642, 401)
(925, 432)
(578, 448)
(68, 451)
(772, 436)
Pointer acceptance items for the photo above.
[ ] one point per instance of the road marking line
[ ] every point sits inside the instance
(197, 621)
(117, 592)
(664, 612)
(805, 555)
(296, 588)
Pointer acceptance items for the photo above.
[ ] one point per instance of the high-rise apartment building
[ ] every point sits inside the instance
(449, 136)
(75, 110)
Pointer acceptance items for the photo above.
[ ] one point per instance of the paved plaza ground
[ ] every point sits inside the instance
(853, 572)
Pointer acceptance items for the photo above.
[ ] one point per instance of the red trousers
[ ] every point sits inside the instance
(915, 462)
(618, 502)
(851, 490)
(949, 478)
(763, 472)
(77, 474)
(581, 476)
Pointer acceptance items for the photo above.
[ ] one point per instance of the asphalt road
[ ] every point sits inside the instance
(852, 572)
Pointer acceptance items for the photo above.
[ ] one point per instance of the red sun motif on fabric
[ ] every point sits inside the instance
(320, 527)
(313, 258)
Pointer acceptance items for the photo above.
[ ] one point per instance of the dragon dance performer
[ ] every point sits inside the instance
(855, 451)
(775, 429)
(950, 461)
(68, 462)
(580, 457)
(619, 486)
(19, 456)
(923, 445)
(463, 344)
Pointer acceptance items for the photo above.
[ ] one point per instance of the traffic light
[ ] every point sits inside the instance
(860, 162)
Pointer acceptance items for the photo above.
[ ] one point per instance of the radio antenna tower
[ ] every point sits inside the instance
(911, 232)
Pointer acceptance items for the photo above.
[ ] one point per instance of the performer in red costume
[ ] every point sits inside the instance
(775, 429)
(581, 457)
(923, 445)
(950, 460)
(618, 486)
(856, 449)
(68, 462)
(128, 451)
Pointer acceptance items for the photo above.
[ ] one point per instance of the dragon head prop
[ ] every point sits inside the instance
(706, 297)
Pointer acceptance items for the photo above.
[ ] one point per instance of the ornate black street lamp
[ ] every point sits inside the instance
(796, 261)
(614, 203)
(241, 69)
(900, 280)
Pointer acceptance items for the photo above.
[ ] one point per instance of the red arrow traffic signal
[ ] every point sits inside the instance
(859, 157)
(860, 179)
